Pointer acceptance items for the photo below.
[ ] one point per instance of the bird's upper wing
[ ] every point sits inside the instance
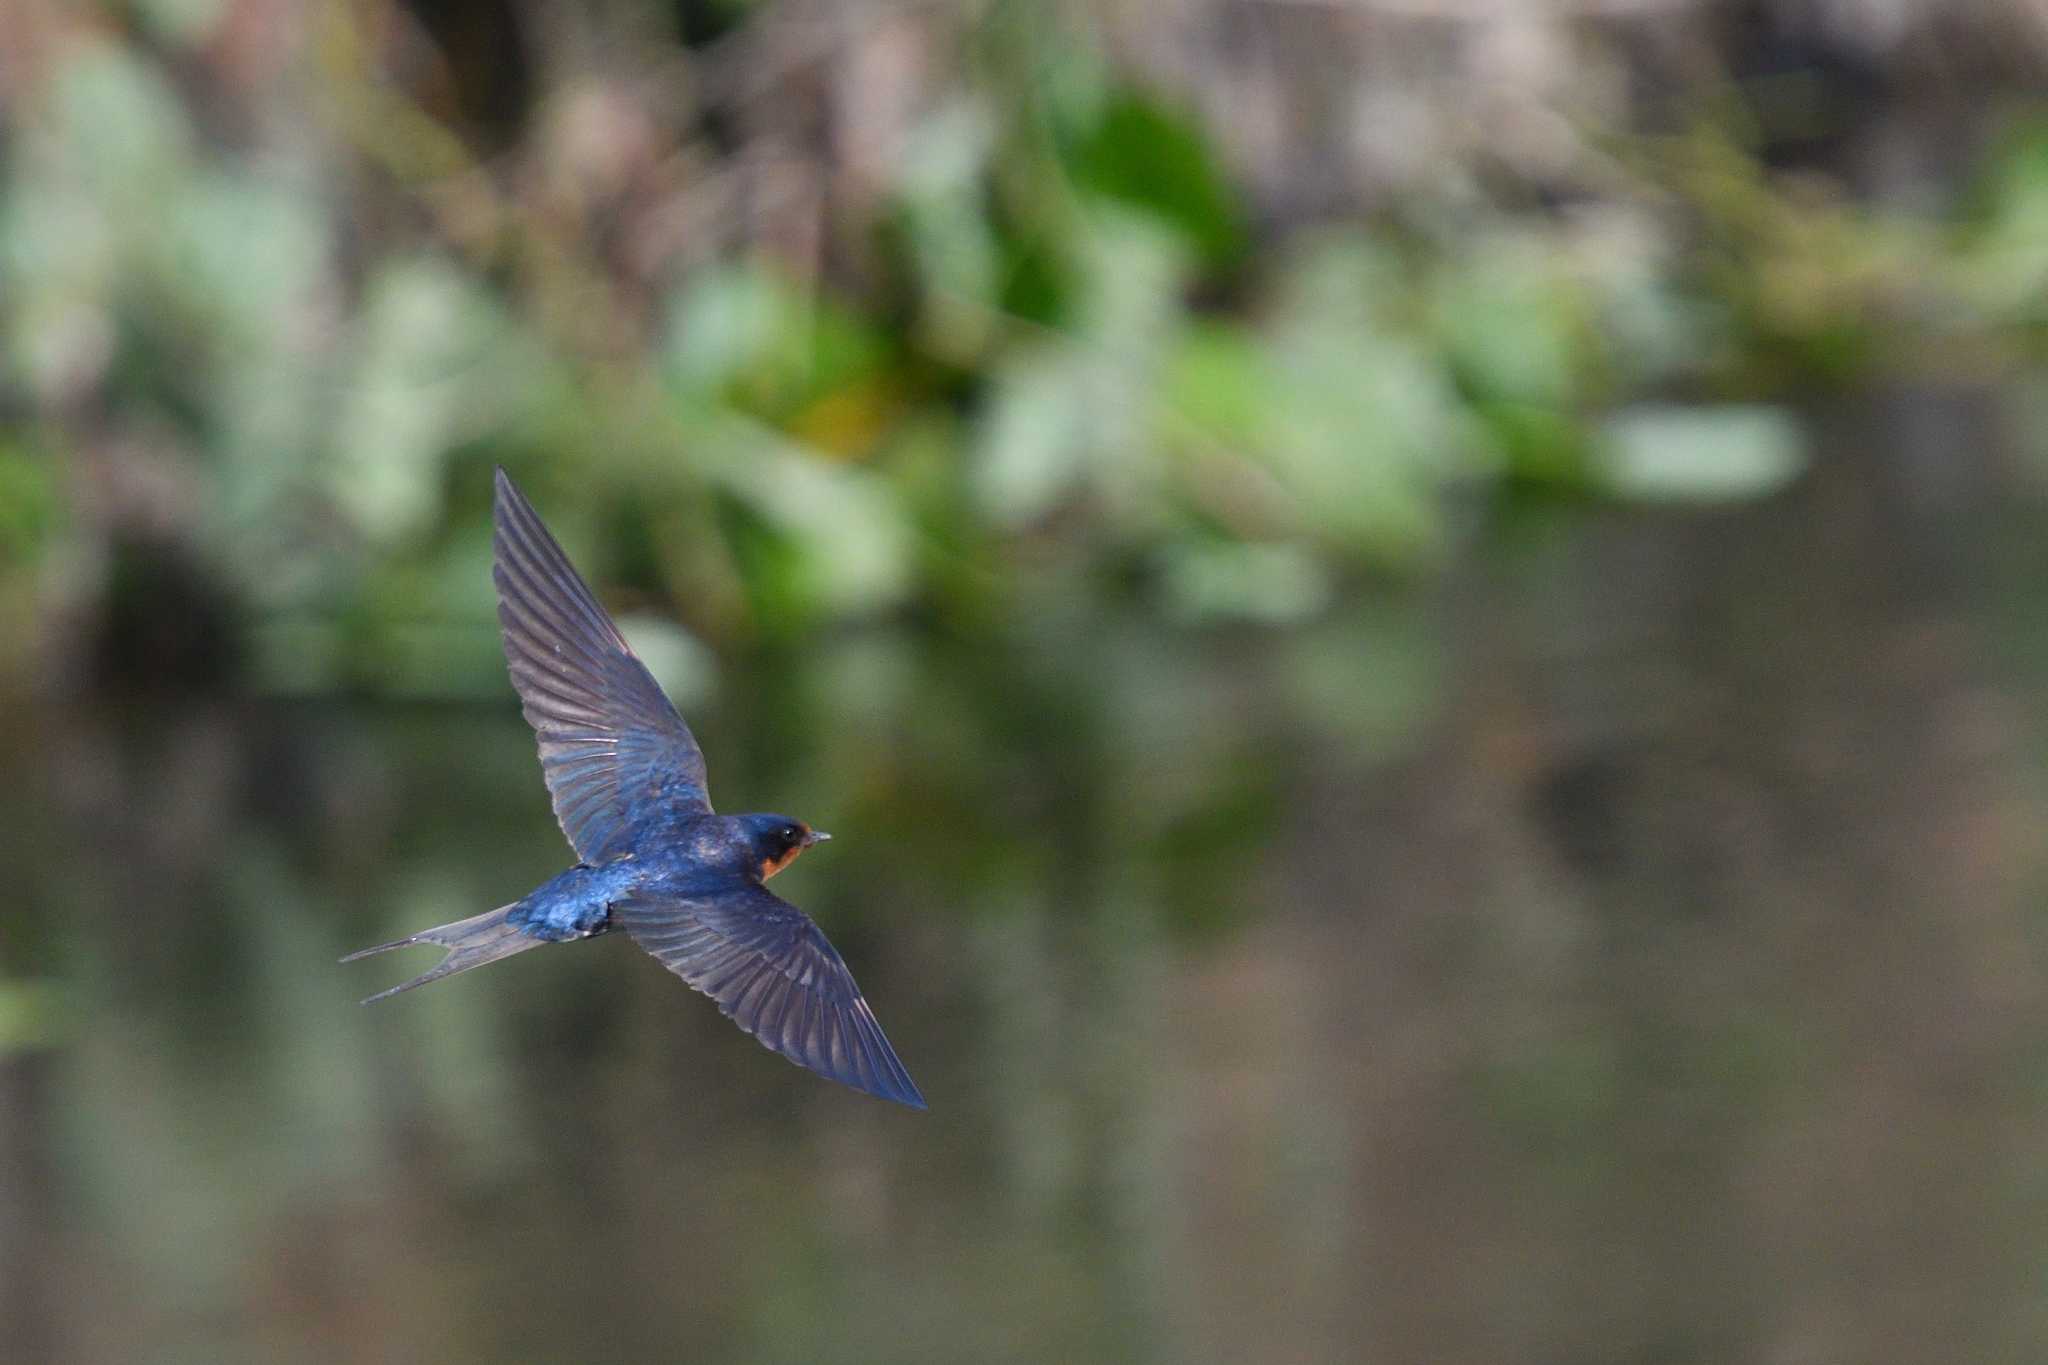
(774, 974)
(613, 750)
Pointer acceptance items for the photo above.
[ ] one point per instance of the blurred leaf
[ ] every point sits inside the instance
(426, 368)
(1134, 276)
(1069, 414)
(1036, 280)
(1663, 453)
(2007, 245)
(1330, 423)
(59, 258)
(1369, 435)
(748, 335)
(1149, 157)
(828, 539)
(119, 126)
(1514, 324)
(724, 322)
(952, 243)
(240, 255)
(1033, 445)
(1219, 378)
(85, 195)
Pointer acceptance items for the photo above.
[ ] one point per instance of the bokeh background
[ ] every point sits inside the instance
(1423, 623)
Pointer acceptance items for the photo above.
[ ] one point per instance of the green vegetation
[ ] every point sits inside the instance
(1039, 337)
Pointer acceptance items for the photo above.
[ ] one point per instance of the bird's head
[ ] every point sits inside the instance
(775, 840)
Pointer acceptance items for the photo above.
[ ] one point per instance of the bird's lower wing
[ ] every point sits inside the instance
(773, 973)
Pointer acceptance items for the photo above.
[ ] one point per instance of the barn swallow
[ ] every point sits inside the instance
(627, 781)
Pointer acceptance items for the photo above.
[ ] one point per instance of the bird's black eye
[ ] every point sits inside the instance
(791, 834)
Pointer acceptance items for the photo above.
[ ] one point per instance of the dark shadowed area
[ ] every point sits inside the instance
(1422, 628)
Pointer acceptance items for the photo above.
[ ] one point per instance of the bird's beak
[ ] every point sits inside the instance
(816, 836)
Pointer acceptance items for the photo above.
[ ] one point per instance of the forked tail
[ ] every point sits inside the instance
(470, 943)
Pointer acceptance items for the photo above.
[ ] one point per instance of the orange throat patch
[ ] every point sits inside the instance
(771, 866)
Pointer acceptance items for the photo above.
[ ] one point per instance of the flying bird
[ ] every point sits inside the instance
(627, 781)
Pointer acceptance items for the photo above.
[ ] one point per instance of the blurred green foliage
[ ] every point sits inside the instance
(1010, 317)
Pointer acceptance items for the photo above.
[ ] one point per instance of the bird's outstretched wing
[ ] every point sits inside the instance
(774, 974)
(615, 754)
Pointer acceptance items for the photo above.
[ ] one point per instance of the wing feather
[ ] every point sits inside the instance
(774, 973)
(615, 753)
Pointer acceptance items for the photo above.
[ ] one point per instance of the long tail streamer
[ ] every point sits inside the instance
(470, 943)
